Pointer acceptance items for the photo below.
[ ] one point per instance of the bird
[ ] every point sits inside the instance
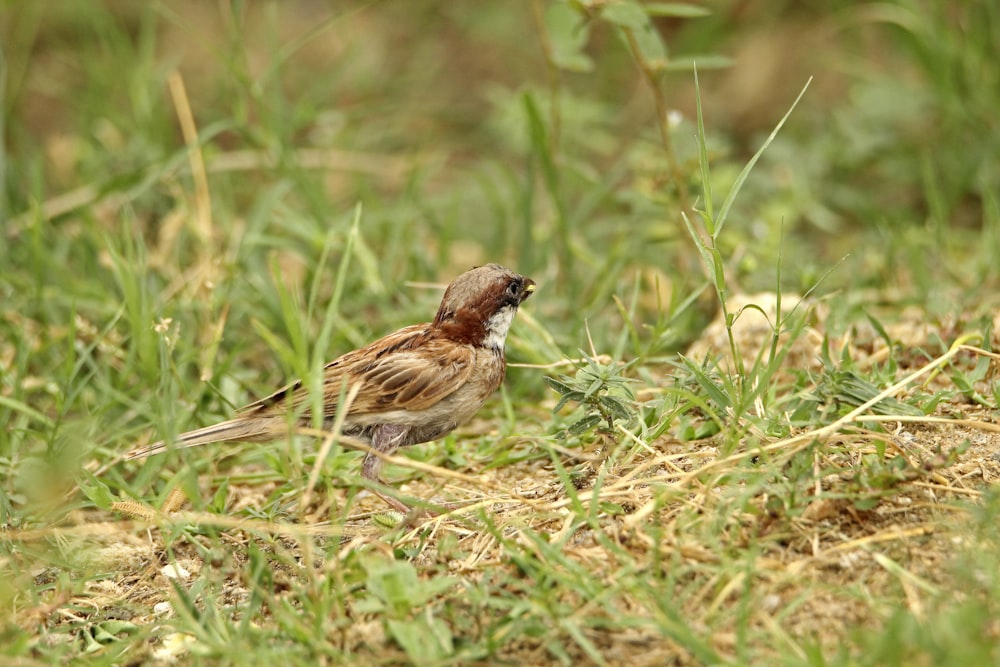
(414, 385)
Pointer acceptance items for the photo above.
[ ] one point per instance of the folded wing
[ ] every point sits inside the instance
(411, 369)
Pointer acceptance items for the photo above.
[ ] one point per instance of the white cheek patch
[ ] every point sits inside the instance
(498, 326)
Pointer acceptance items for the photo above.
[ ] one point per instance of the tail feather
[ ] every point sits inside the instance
(252, 429)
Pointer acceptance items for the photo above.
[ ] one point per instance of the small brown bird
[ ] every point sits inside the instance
(416, 384)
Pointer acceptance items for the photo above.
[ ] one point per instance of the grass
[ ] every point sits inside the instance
(751, 412)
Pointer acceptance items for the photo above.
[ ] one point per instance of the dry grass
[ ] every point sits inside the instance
(713, 530)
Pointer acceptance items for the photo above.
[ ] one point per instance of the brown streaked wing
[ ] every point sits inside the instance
(414, 379)
(293, 395)
(409, 369)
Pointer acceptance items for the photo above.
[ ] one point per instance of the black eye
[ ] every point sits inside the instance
(514, 288)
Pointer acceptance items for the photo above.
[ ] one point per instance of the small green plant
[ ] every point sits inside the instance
(969, 381)
(879, 476)
(602, 390)
(847, 389)
(397, 592)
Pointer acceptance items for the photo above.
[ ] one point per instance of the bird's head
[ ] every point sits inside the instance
(479, 305)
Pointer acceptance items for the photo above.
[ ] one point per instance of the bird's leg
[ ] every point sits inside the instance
(386, 439)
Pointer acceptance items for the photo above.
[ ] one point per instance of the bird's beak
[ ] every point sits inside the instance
(528, 289)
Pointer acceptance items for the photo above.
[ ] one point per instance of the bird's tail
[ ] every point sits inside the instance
(251, 429)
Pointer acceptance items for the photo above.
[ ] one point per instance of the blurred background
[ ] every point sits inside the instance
(418, 110)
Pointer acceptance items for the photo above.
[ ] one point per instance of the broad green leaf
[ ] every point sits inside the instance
(583, 425)
(574, 396)
(397, 585)
(568, 34)
(651, 47)
(96, 490)
(426, 640)
(640, 33)
(561, 385)
(625, 14)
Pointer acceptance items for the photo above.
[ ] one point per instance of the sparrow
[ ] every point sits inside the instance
(414, 385)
